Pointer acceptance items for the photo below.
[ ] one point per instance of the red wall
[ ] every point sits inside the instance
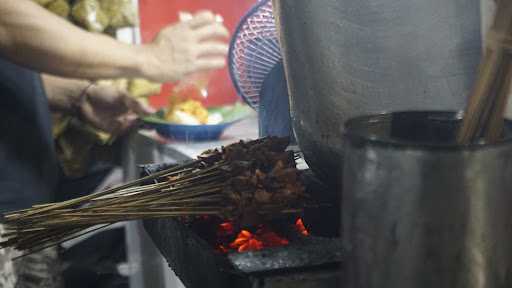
(155, 14)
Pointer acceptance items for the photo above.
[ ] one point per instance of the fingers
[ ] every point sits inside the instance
(93, 118)
(120, 125)
(137, 107)
(185, 16)
(113, 125)
(201, 18)
(210, 64)
(125, 123)
(212, 49)
(112, 110)
(216, 30)
(196, 43)
(117, 101)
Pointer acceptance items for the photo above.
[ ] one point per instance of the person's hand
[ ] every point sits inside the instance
(189, 46)
(110, 109)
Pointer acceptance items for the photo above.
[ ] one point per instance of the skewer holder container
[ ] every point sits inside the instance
(420, 211)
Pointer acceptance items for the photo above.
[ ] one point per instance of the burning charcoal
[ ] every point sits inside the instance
(299, 225)
(225, 229)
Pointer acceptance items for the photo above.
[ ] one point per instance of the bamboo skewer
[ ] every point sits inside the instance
(48, 207)
(484, 114)
(199, 188)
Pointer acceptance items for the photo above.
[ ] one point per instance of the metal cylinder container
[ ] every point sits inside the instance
(421, 211)
(345, 58)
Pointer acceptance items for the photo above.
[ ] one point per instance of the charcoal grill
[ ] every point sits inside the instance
(313, 261)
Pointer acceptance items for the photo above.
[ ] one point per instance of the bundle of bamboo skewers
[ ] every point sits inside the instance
(242, 181)
(485, 113)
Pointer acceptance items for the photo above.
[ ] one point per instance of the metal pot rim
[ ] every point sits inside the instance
(352, 133)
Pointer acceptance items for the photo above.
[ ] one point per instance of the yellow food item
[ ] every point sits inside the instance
(59, 7)
(137, 88)
(141, 88)
(121, 84)
(179, 110)
(88, 14)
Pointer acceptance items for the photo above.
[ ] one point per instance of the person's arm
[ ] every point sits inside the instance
(63, 93)
(37, 39)
(103, 106)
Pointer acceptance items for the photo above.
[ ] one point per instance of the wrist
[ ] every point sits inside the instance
(148, 63)
(63, 94)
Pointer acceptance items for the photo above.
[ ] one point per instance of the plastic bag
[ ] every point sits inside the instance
(74, 142)
(59, 7)
(88, 14)
(43, 2)
(121, 13)
(194, 86)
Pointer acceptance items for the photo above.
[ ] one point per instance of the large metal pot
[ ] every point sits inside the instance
(345, 58)
(420, 211)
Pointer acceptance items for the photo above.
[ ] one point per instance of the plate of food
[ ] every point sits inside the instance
(189, 120)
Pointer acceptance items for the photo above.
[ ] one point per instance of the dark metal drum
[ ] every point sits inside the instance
(420, 211)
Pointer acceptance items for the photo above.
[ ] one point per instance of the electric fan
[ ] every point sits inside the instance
(257, 71)
(254, 52)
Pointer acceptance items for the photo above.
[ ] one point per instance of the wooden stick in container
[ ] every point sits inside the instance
(484, 114)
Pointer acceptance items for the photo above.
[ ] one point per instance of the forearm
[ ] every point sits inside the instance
(35, 38)
(63, 93)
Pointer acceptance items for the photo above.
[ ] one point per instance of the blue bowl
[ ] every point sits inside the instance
(191, 132)
(231, 114)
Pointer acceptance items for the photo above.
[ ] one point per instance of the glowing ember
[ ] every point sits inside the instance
(301, 228)
(247, 240)
(226, 229)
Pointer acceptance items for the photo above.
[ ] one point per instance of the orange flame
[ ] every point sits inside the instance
(301, 228)
(246, 240)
